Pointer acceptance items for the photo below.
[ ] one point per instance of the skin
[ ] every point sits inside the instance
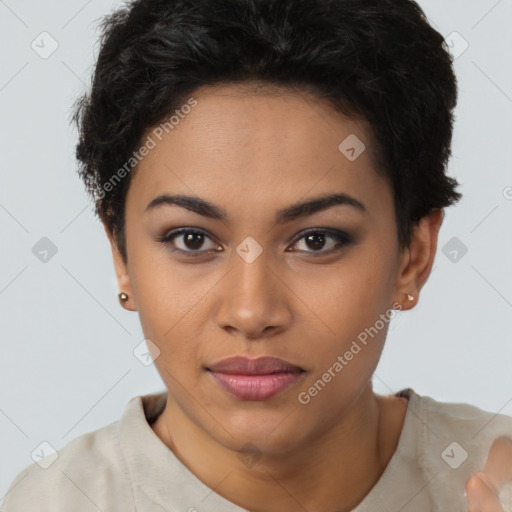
(252, 154)
(483, 488)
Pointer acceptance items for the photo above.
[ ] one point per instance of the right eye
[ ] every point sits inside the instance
(187, 241)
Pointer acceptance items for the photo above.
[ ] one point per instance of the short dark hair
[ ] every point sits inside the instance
(377, 59)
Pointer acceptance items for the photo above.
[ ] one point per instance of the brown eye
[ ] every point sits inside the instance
(316, 241)
(188, 241)
(193, 241)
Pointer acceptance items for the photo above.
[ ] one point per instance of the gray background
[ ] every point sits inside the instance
(67, 364)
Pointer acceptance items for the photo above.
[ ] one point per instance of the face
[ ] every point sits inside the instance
(259, 276)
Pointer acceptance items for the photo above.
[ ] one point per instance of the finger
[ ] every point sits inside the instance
(498, 467)
(481, 495)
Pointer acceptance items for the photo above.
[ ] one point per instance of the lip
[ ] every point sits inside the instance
(255, 379)
(265, 365)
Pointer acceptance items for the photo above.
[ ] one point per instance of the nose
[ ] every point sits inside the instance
(252, 300)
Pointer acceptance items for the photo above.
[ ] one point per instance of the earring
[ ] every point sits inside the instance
(410, 297)
(122, 297)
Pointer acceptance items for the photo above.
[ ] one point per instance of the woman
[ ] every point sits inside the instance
(271, 178)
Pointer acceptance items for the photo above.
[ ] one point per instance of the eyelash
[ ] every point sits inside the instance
(342, 239)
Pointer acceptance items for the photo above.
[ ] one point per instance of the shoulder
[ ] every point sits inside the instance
(467, 422)
(86, 474)
(453, 442)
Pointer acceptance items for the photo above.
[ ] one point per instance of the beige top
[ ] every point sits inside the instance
(125, 467)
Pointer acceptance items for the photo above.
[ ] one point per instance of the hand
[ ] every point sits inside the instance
(483, 488)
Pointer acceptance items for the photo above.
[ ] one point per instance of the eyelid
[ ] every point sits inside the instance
(327, 231)
(341, 237)
(171, 235)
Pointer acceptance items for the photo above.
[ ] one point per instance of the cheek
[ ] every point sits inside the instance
(349, 307)
(166, 290)
(368, 282)
(333, 389)
(343, 365)
(168, 304)
(348, 296)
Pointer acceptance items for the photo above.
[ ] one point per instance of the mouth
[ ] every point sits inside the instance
(240, 365)
(255, 379)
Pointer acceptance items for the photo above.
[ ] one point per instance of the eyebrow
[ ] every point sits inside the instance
(288, 214)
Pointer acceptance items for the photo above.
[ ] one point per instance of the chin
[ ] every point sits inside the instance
(273, 436)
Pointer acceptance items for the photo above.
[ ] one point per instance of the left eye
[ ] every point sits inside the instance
(316, 240)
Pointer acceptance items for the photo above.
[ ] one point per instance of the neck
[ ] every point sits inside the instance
(333, 472)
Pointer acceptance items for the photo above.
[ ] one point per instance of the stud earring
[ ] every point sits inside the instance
(122, 297)
(410, 297)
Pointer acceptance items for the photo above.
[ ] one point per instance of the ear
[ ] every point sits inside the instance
(122, 275)
(418, 258)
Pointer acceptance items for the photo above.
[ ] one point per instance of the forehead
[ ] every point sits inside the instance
(238, 146)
